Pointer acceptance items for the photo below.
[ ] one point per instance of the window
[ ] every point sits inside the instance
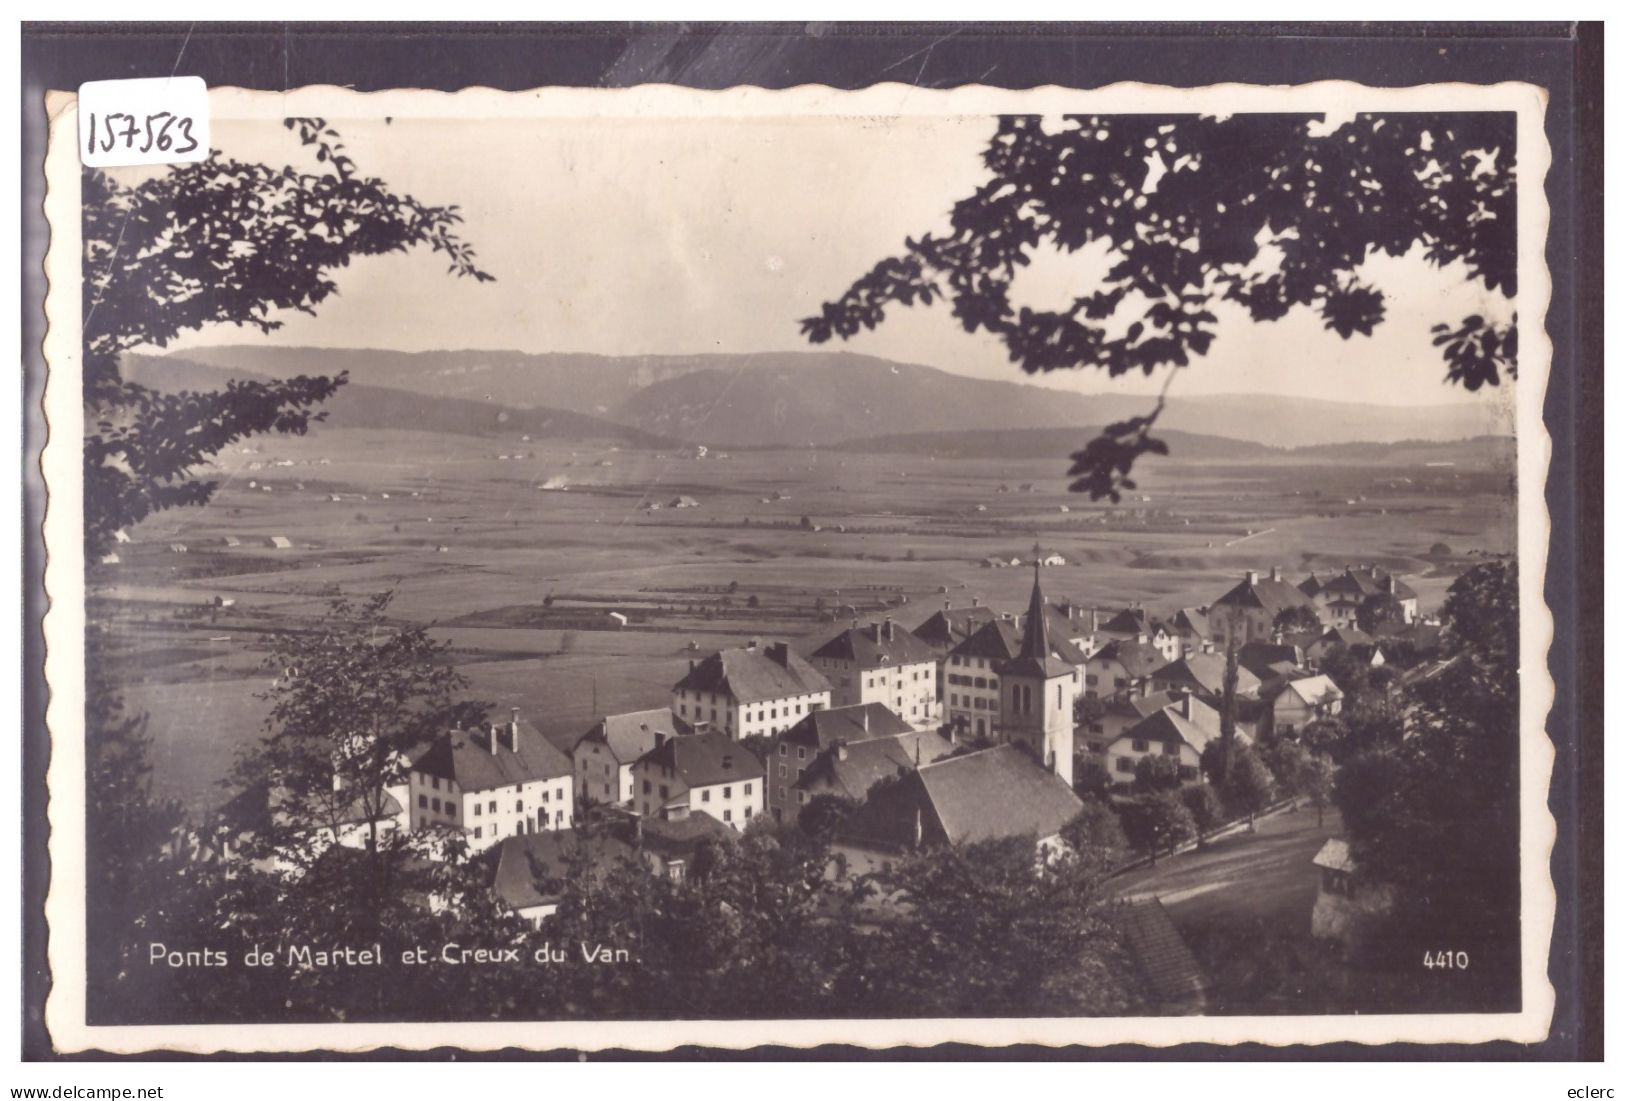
(435, 803)
(801, 753)
(747, 789)
(435, 780)
(1140, 745)
(727, 816)
(519, 804)
(747, 814)
(492, 807)
(782, 771)
(728, 792)
(801, 797)
(705, 796)
(784, 750)
(477, 832)
(646, 788)
(665, 792)
(1125, 765)
(476, 810)
(1170, 749)
(423, 801)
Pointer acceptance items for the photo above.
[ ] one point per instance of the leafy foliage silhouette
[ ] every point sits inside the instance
(1266, 212)
(220, 241)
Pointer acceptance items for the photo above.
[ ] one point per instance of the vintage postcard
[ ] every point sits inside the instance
(604, 569)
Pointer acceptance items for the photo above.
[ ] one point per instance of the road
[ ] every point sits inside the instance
(1242, 879)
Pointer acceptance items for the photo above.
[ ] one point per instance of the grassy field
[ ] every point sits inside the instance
(782, 544)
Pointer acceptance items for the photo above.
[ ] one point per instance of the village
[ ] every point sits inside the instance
(975, 724)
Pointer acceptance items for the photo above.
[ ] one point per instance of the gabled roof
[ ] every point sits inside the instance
(629, 736)
(679, 837)
(1192, 621)
(1205, 673)
(1334, 854)
(1129, 621)
(853, 769)
(997, 639)
(1170, 968)
(751, 675)
(1138, 659)
(1274, 597)
(465, 757)
(1346, 636)
(951, 626)
(875, 645)
(1138, 707)
(1316, 690)
(1260, 657)
(1356, 583)
(700, 760)
(990, 795)
(1310, 585)
(856, 723)
(1195, 729)
(529, 867)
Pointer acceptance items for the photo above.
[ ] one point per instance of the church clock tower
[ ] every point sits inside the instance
(1035, 693)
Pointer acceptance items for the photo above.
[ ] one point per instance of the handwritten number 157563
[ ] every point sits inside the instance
(165, 131)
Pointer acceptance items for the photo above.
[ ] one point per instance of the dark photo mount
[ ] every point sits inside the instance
(453, 56)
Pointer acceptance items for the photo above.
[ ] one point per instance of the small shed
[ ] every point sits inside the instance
(280, 542)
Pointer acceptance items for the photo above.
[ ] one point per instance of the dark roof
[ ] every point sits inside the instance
(1166, 960)
(1258, 656)
(700, 760)
(856, 723)
(1274, 597)
(1193, 620)
(1358, 582)
(985, 796)
(997, 639)
(1205, 673)
(679, 837)
(262, 804)
(751, 674)
(1139, 659)
(1038, 655)
(876, 644)
(951, 626)
(466, 757)
(1129, 621)
(525, 858)
(1310, 585)
(631, 735)
(1196, 730)
(1346, 636)
(853, 769)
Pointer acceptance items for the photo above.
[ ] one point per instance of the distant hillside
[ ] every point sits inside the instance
(818, 397)
(1048, 443)
(362, 406)
(1051, 443)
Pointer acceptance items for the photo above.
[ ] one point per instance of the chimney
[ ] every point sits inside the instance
(691, 664)
(1252, 577)
(752, 645)
(863, 719)
(780, 652)
(891, 630)
(513, 729)
(1275, 573)
(496, 739)
(1389, 583)
(874, 631)
(947, 605)
(840, 751)
(1185, 705)
(975, 602)
(660, 738)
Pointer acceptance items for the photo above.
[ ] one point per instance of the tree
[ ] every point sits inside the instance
(1297, 619)
(1227, 719)
(1096, 836)
(1325, 736)
(1206, 810)
(1158, 822)
(1377, 611)
(823, 815)
(219, 242)
(1089, 776)
(1156, 772)
(1435, 815)
(1287, 762)
(1248, 786)
(1192, 211)
(1315, 783)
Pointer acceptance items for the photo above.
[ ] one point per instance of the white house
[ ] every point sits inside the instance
(1179, 730)
(604, 755)
(972, 684)
(707, 772)
(492, 784)
(882, 663)
(750, 690)
(1302, 701)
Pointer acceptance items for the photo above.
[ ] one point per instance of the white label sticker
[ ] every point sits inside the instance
(163, 120)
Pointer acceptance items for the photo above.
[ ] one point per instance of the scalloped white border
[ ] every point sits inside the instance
(64, 578)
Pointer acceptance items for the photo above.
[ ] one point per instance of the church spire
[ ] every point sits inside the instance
(1035, 643)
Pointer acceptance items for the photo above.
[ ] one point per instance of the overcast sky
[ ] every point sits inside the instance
(679, 236)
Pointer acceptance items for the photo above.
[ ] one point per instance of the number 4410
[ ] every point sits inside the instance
(1454, 961)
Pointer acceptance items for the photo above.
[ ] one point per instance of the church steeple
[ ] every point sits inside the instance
(1035, 643)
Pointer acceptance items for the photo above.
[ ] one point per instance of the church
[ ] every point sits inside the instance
(1037, 690)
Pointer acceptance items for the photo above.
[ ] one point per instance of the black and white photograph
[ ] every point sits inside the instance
(639, 567)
